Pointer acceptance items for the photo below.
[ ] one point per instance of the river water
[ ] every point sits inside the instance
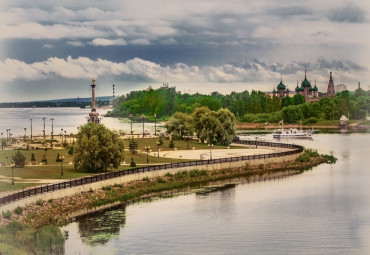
(325, 210)
(66, 118)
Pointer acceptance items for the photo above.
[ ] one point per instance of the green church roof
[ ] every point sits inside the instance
(305, 83)
(281, 85)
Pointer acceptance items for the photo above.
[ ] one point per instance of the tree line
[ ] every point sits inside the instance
(247, 106)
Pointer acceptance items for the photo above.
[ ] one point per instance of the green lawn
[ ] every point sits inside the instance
(53, 169)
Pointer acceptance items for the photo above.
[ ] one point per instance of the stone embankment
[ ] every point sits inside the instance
(287, 153)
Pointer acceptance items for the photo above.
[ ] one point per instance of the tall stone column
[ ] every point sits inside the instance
(93, 115)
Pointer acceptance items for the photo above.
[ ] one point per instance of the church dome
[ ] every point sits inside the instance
(305, 82)
(315, 88)
(297, 89)
(281, 85)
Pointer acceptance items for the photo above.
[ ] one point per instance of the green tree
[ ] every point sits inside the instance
(216, 127)
(196, 120)
(19, 159)
(179, 124)
(97, 148)
(133, 145)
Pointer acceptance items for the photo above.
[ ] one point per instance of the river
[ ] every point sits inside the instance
(325, 210)
(66, 118)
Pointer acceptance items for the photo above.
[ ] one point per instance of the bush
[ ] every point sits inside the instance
(132, 163)
(106, 188)
(171, 145)
(7, 214)
(330, 159)
(307, 155)
(160, 180)
(19, 159)
(311, 120)
(49, 240)
(39, 202)
(18, 210)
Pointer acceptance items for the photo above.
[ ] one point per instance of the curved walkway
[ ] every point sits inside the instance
(276, 152)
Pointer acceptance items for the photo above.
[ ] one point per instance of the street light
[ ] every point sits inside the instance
(158, 144)
(210, 150)
(256, 140)
(65, 136)
(61, 165)
(2, 141)
(147, 148)
(155, 124)
(25, 129)
(12, 175)
(143, 116)
(7, 135)
(131, 116)
(52, 128)
(31, 129)
(44, 118)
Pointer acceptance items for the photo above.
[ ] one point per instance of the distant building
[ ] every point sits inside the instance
(331, 89)
(340, 88)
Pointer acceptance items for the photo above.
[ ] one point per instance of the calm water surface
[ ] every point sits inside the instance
(67, 118)
(325, 210)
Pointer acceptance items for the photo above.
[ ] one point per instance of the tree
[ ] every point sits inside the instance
(215, 127)
(19, 159)
(133, 145)
(179, 124)
(97, 148)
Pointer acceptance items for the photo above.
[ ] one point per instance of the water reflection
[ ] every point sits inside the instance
(100, 227)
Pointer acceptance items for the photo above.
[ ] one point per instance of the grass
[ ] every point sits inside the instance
(53, 169)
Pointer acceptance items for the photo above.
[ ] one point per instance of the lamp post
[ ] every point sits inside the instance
(131, 116)
(52, 128)
(44, 118)
(31, 129)
(143, 116)
(155, 124)
(2, 141)
(61, 165)
(158, 144)
(147, 148)
(7, 135)
(12, 175)
(256, 140)
(65, 136)
(210, 151)
(25, 129)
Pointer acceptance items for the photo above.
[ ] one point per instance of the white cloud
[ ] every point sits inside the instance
(75, 43)
(108, 42)
(48, 46)
(141, 41)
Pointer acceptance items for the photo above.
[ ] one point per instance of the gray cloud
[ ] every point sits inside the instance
(291, 11)
(348, 13)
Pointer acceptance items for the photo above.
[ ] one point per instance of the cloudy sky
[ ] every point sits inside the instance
(51, 49)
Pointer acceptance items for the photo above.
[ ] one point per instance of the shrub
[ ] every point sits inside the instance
(146, 178)
(311, 120)
(7, 214)
(117, 185)
(19, 159)
(160, 180)
(39, 202)
(330, 159)
(171, 145)
(132, 163)
(18, 210)
(261, 166)
(49, 240)
(106, 188)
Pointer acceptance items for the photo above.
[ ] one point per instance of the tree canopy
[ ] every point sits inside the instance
(97, 149)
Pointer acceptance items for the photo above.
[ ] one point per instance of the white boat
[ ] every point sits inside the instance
(291, 133)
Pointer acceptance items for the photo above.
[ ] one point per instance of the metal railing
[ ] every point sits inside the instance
(105, 176)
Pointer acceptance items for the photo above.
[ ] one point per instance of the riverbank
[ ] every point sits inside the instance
(57, 210)
(19, 227)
